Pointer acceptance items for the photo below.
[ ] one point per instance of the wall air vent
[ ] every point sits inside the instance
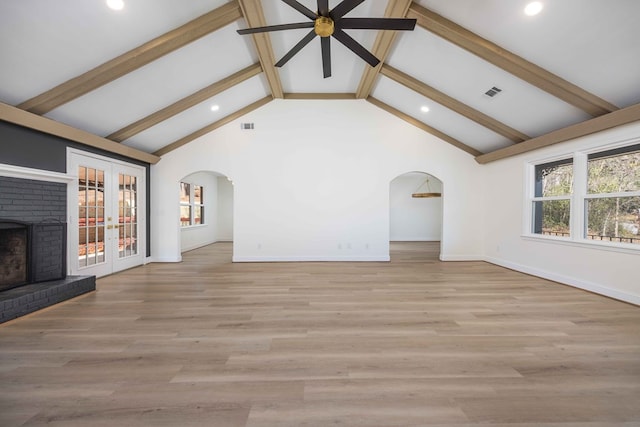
(246, 126)
(493, 92)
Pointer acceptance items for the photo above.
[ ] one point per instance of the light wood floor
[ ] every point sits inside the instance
(410, 342)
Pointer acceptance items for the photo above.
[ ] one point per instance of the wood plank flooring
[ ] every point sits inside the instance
(406, 343)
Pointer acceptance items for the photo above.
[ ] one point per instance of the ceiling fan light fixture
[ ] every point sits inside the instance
(324, 26)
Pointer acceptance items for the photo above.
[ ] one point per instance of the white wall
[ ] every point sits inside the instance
(200, 235)
(414, 219)
(311, 182)
(595, 268)
(225, 210)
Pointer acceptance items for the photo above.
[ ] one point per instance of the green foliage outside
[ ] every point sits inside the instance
(614, 218)
(556, 181)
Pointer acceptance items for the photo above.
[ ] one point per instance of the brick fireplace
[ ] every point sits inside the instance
(33, 247)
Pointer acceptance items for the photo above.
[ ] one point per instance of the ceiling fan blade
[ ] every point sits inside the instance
(343, 8)
(323, 7)
(325, 43)
(302, 43)
(276, 28)
(377, 24)
(302, 9)
(355, 47)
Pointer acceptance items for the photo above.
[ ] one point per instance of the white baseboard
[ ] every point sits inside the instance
(567, 280)
(163, 259)
(444, 257)
(381, 258)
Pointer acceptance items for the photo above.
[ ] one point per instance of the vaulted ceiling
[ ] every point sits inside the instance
(142, 80)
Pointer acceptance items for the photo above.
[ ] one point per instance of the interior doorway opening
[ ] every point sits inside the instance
(206, 210)
(415, 216)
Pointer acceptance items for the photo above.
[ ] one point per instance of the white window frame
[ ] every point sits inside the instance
(578, 198)
(193, 205)
(533, 198)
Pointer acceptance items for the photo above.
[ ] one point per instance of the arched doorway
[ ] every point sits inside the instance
(415, 221)
(206, 210)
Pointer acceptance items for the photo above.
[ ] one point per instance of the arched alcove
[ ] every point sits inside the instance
(206, 209)
(416, 212)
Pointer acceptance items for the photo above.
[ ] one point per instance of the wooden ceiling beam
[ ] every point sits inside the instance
(452, 104)
(133, 59)
(185, 103)
(253, 14)
(322, 95)
(510, 62)
(381, 47)
(608, 121)
(29, 120)
(424, 127)
(213, 126)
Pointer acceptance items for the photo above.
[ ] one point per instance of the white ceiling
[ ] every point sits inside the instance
(590, 43)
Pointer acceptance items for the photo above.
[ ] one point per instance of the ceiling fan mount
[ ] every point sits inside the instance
(324, 26)
(328, 23)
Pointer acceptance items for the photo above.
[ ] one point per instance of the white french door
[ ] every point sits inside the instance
(106, 215)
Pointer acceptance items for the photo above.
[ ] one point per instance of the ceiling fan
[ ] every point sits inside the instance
(327, 23)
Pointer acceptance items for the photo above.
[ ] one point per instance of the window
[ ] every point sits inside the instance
(612, 203)
(552, 198)
(191, 204)
(589, 197)
(198, 205)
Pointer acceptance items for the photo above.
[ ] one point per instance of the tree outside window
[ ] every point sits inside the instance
(604, 200)
(612, 205)
(552, 198)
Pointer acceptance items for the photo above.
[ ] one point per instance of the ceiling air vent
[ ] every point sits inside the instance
(246, 126)
(493, 92)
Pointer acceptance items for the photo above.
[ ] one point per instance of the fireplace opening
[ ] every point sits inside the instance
(31, 252)
(14, 254)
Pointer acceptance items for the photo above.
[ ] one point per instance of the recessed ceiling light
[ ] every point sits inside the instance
(115, 4)
(533, 8)
(215, 107)
(424, 109)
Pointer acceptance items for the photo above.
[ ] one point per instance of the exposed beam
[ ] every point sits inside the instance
(133, 59)
(381, 47)
(452, 104)
(510, 62)
(252, 11)
(213, 126)
(617, 118)
(29, 120)
(322, 95)
(185, 103)
(424, 127)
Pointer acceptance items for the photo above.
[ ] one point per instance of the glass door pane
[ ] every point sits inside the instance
(91, 226)
(127, 216)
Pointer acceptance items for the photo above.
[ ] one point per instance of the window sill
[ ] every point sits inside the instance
(189, 227)
(628, 248)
